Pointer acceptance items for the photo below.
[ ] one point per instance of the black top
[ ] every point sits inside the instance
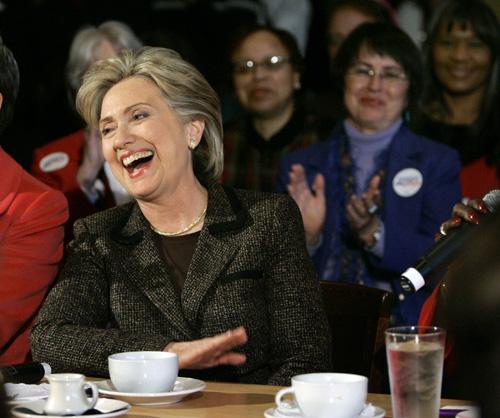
(470, 142)
(178, 252)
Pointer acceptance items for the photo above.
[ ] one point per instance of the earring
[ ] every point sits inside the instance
(192, 143)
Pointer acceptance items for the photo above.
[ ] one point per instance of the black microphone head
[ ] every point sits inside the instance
(492, 200)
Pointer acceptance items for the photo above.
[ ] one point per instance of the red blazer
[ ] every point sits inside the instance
(32, 218)
(56, 164)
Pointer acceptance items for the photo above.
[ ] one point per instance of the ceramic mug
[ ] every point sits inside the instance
(143, 371)
(67, 394)
(327, 395)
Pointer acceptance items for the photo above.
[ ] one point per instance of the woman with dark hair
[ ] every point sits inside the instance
(266, 65)
(462, 96)
(372, 196)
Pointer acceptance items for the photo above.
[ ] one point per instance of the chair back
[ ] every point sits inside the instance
(358, 316)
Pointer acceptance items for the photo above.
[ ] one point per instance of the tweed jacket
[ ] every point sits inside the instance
(250, 268)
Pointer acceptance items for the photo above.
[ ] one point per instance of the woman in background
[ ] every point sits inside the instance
(267, 65)
(344, 16)
(74, 164)
(462, 96)
(347, 15)
(374, 194)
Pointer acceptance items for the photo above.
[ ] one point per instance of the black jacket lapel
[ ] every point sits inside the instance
(218, 244)
(147, 269)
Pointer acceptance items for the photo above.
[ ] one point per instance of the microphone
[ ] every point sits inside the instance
(443, 251)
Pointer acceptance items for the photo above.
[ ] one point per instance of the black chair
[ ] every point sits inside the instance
(358, 316)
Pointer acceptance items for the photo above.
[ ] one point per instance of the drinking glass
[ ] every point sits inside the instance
(415, 357)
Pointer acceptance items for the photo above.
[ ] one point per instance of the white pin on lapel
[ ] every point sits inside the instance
(407, 182)
(54, 161)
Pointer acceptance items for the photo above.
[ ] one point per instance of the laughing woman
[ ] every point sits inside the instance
(219, 276)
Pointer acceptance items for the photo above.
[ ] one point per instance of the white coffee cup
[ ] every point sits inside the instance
(143, 371)
(67, 394)
(327, 395)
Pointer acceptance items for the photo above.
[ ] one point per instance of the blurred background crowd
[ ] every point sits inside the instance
(40, 33)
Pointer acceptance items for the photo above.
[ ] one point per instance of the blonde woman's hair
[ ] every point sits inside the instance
(186, 92)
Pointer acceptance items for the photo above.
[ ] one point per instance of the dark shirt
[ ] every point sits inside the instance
(178, 252)
(463, 138)
(251, 162)
(479, 151)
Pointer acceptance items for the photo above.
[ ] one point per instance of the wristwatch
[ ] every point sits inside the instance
(376, 235)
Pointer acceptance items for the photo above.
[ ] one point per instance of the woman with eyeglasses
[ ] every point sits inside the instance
(266, 67)
(374, 194)
(462, 96)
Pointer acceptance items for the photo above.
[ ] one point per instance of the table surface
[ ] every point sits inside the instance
(229, 400)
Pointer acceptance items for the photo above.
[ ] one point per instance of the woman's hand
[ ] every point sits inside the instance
(361, 212)
(92, 160)
(469, 213)
(211, 351)
(312, 203)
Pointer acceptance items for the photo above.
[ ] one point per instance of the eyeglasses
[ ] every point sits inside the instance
(365, 73)
(271, 63)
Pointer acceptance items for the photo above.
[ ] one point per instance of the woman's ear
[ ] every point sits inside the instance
(195, 130)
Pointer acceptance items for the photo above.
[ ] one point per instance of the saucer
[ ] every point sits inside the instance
(375, 412)
(470, 413)
(108, 408)
(184, 386)
(20, 392)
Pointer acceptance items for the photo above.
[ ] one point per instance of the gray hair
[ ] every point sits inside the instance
(185, 89)
(87, 39)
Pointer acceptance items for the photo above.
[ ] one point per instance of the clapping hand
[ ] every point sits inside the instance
(211, 351)
(311, 202)
(92, 159)
(361, 211)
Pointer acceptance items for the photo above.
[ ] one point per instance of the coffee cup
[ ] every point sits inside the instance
(327, 395)
(143, 371)
(67, 394)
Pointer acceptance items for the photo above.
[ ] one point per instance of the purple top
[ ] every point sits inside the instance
(365, 149)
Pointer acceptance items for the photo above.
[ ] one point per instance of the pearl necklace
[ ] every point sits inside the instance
(195, 222)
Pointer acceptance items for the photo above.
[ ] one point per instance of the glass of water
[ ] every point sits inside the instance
(415, 357)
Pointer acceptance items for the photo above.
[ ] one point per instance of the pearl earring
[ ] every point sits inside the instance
(192, 143)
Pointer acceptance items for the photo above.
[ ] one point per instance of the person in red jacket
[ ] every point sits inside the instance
(74, 164)
(32, 217)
